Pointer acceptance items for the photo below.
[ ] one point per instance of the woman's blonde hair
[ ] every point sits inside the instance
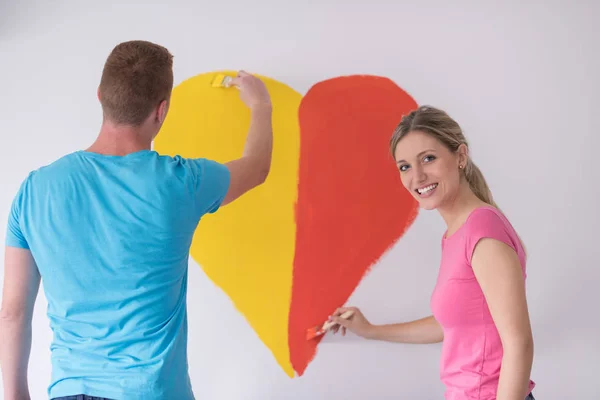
(441, 126)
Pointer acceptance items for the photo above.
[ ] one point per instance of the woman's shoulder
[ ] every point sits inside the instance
(490, 222)
(486, 216)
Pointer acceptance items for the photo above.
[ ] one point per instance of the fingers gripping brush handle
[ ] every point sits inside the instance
(320, 330)
(330, 324)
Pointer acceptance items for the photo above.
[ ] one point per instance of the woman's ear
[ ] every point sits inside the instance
(463, 155)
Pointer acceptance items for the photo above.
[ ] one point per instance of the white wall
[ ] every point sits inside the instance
(522, 80)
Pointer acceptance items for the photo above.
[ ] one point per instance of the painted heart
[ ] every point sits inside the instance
(292, 250)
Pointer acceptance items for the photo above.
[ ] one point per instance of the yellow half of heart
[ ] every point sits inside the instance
(247, 247)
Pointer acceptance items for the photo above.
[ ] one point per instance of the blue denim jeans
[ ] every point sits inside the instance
(80, 397)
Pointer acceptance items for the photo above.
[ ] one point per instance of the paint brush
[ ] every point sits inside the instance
(221, 80)
(319, 330)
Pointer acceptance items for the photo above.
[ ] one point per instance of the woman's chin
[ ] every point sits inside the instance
(428, 203)
(428, 206)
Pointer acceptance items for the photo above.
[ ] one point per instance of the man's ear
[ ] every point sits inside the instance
(161, 115)
(98, 93)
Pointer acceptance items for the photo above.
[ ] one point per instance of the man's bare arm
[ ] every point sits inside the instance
(21, 286)
(253, 167)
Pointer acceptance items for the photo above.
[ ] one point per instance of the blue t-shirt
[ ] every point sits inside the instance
(111, 237)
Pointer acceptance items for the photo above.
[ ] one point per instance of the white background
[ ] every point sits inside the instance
(522, 79)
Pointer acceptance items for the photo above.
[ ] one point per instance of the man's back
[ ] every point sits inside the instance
(108, 232)
(110, 236)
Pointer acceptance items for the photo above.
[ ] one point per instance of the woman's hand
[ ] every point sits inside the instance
(357, 323)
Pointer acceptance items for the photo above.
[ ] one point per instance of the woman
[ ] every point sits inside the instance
(479, 305)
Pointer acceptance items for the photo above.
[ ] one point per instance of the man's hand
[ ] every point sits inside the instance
(253, 91)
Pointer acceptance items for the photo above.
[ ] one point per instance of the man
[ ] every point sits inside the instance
(108, 230)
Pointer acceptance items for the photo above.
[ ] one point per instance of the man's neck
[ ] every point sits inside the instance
(120, 140)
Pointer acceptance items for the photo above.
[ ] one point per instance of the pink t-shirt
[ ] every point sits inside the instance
(472, 350)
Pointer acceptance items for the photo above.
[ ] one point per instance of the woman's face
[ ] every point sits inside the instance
(428, 170)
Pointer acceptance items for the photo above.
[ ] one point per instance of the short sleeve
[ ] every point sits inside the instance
(212, 184)
(485, 223)
(14, 233)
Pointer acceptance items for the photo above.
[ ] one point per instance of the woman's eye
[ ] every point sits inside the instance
(429, 158)
(403, 168)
